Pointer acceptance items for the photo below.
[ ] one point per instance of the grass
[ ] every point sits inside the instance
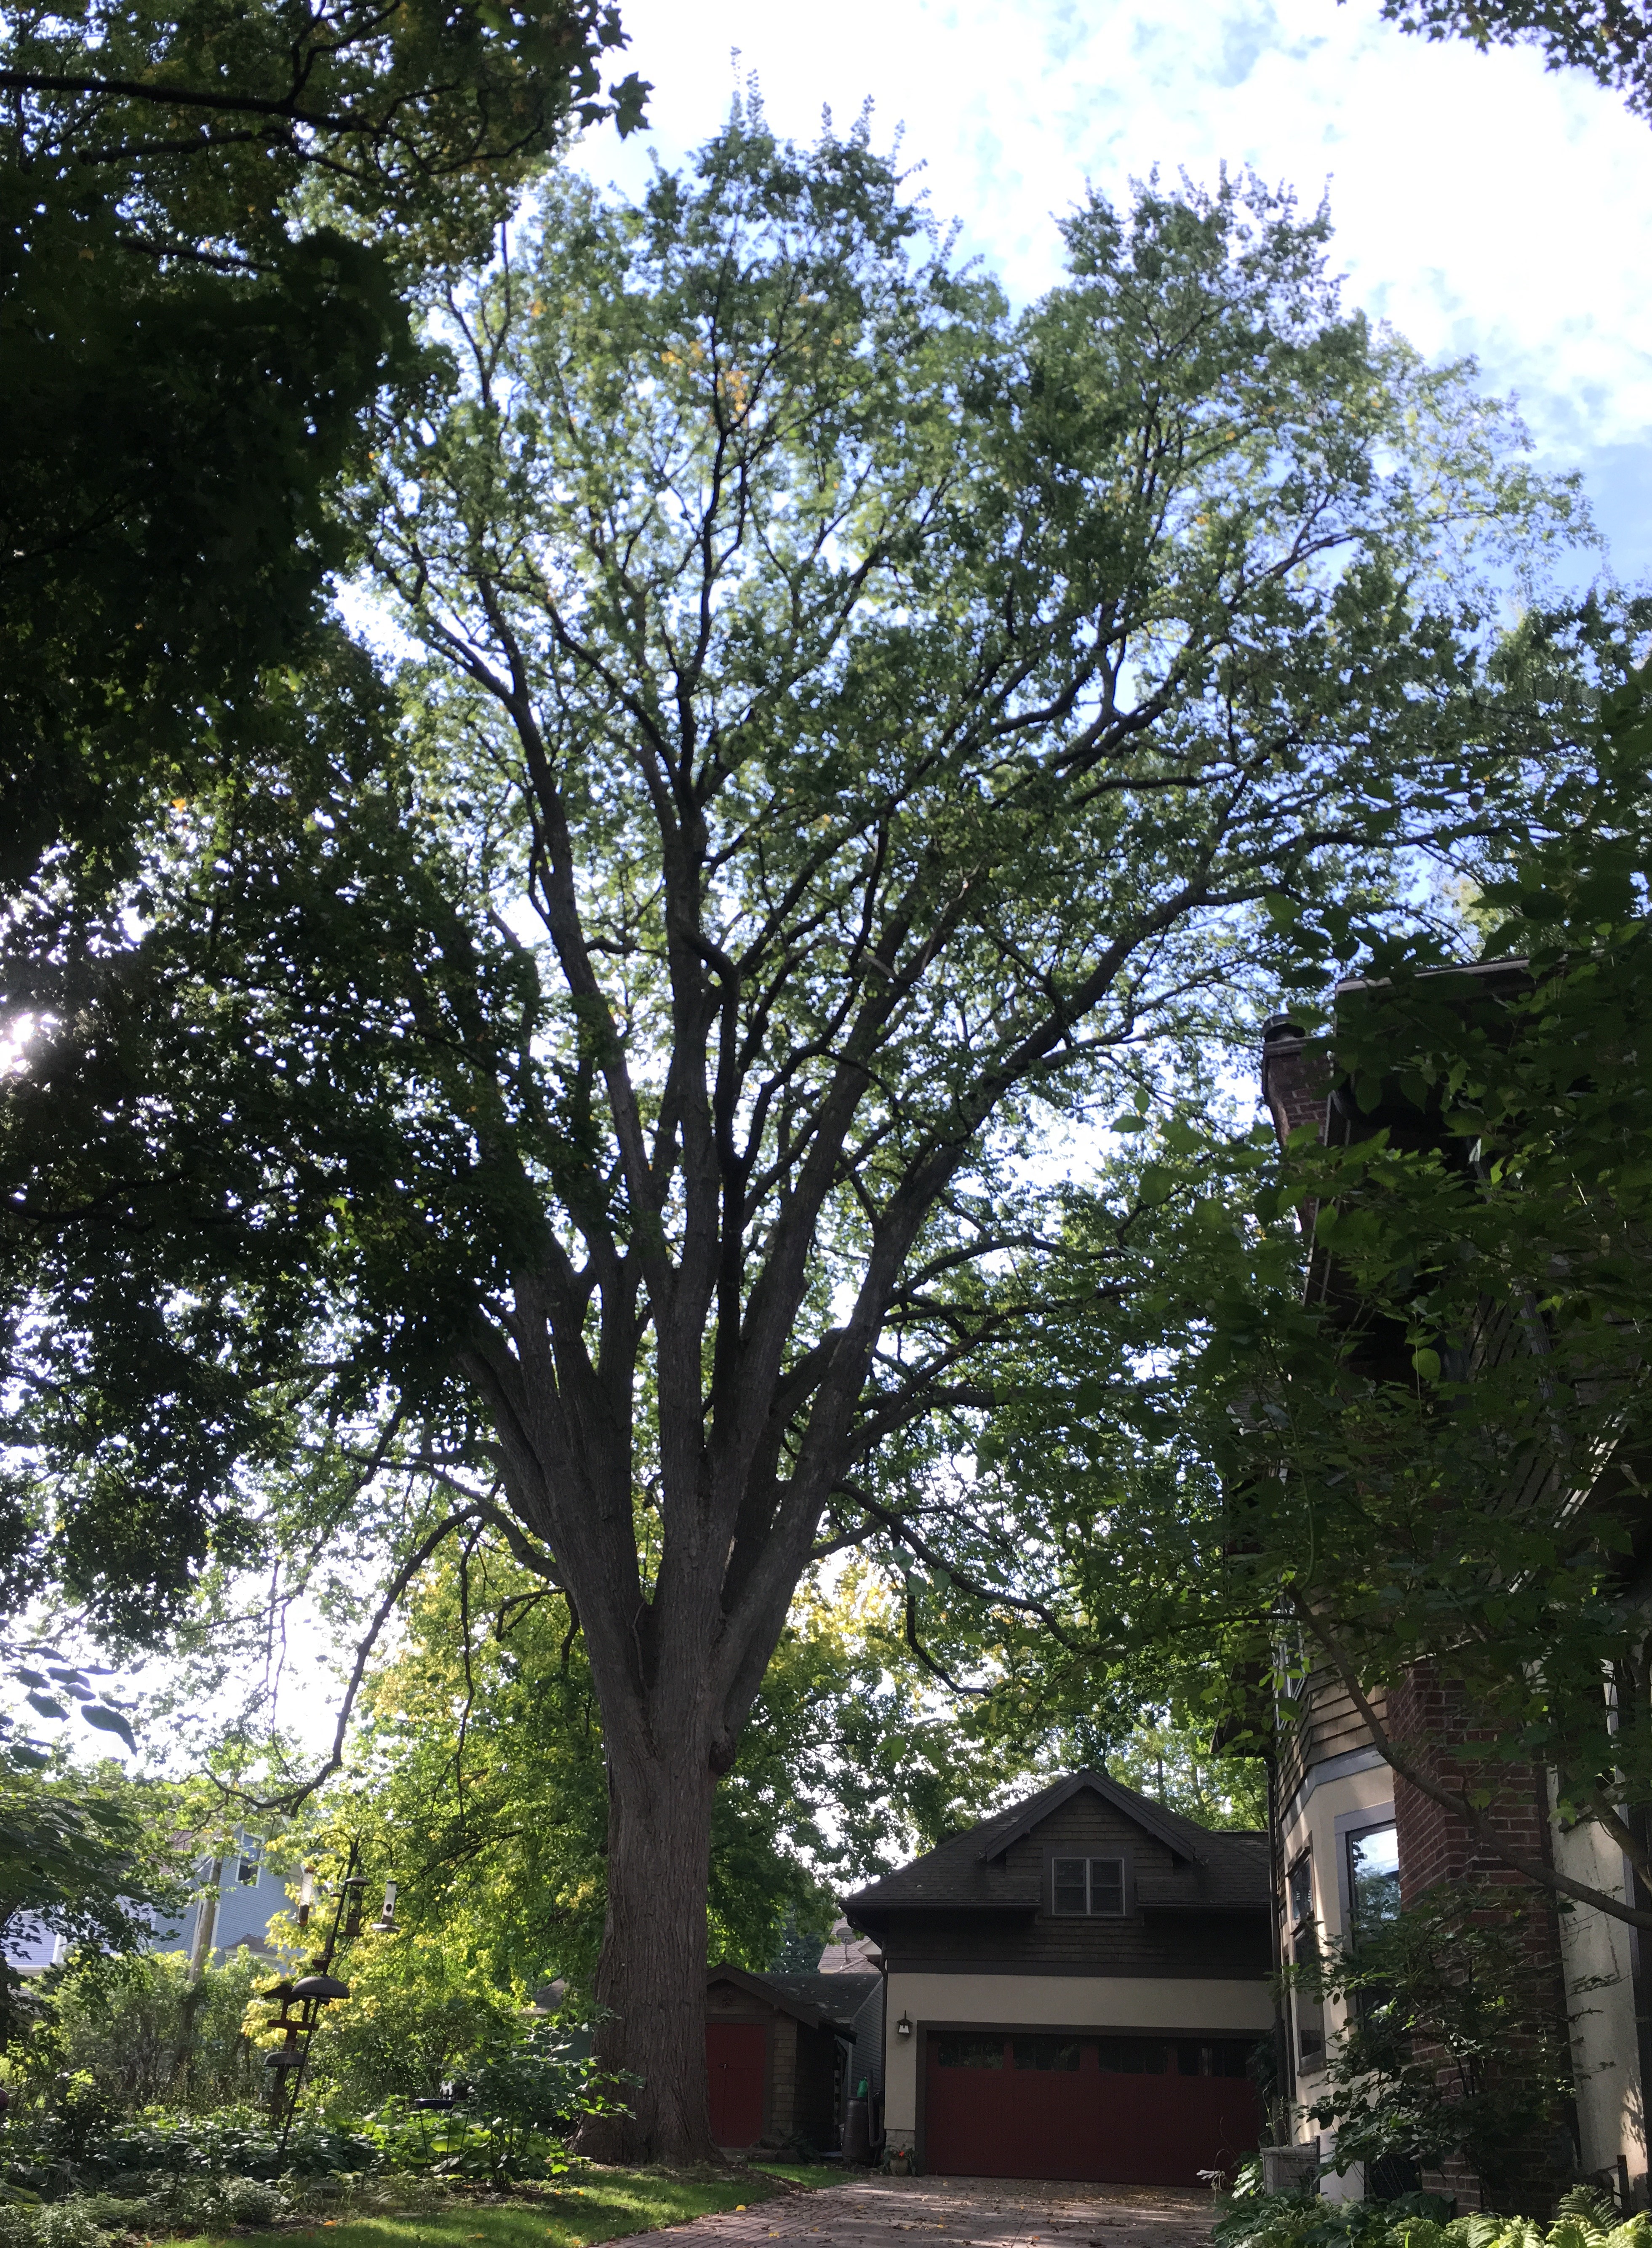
(808, 2173)
(598, 2205)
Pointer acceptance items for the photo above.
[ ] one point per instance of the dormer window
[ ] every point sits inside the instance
(1086, 1886)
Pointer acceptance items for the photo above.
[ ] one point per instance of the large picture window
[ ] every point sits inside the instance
(1086, 1885)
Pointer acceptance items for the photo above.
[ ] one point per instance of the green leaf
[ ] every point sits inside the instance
(106, 1720)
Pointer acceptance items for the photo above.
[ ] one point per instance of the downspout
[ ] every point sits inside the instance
(206, 1926)
(1285, 2073)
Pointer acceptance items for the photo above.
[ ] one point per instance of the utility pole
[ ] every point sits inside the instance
(206, 1927)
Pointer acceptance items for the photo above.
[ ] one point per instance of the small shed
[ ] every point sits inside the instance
(778, 2050)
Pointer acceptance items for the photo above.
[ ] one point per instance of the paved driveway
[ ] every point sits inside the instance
(880, 2212)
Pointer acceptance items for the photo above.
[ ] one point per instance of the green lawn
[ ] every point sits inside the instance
(599, 2205)
(809, 2173)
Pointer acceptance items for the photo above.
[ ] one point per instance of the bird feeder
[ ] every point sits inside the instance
(321, 1987)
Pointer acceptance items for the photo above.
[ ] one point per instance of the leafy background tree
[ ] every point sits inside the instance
(207, 215)
(1435, 1455)
(475, 1778)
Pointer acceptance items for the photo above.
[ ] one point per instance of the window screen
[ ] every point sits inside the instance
(1071, 1885)
(247, 1873)
(1305, 1948)
(1086, 1885)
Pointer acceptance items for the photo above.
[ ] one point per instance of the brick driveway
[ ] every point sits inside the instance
(880, 2212)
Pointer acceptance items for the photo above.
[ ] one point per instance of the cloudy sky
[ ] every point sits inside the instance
(1482, 204)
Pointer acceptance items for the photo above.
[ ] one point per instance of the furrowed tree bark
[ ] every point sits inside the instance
(650, 1984)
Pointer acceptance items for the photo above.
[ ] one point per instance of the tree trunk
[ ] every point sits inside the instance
(650, 1988)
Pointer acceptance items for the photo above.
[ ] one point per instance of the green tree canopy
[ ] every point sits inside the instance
(80, 1856)
(205, 215)
(855, 733)
(1415, 1432)
(1608, 39)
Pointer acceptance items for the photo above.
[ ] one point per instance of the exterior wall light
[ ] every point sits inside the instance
(904, 2027)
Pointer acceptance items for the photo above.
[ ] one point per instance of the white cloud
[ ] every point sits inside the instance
(1482, 204)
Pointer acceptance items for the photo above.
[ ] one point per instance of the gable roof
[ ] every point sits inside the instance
(1012, 1825)
(828, 2002)
(1211, 1869)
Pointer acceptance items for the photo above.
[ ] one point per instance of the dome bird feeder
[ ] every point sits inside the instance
(322, 1987)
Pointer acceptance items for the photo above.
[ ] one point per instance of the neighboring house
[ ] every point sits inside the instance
(1354, 1839)
(1074, 1989)
(782, 2054)
(236, 1898)
(849, 1954)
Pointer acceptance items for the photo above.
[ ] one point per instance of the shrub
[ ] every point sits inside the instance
(1303, 2220)
(47, 2156)
(249, 2201)
(1449, 2045)
(66, 2224)
(419, 2014)
(141, 2033)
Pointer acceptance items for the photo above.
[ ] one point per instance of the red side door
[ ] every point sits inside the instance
(735, 2059)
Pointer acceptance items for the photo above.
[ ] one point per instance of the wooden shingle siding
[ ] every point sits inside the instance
(1329, 1726)
(783, 2081)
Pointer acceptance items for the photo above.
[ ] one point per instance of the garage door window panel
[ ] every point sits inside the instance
(1133, 2057)
(1047, 2052)
(1227, 2057)
(969, 2052)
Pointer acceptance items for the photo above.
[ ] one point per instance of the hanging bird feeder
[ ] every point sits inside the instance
(322, 1988)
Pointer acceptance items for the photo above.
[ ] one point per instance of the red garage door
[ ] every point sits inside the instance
(1122, 2110)
(735, 2059)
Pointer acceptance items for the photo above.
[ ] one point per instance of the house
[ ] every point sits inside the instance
(1073, 1989)
(781, 2055)
(1354, 1839)
(236, 1898)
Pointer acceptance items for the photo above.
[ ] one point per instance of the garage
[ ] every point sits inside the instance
(1122, 2110)
(1072, 1989)
(776, 2054)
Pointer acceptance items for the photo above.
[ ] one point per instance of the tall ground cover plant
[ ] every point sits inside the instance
(854, 731)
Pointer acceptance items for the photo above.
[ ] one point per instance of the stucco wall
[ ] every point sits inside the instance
(1596, 1949)
(1122, 2003)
